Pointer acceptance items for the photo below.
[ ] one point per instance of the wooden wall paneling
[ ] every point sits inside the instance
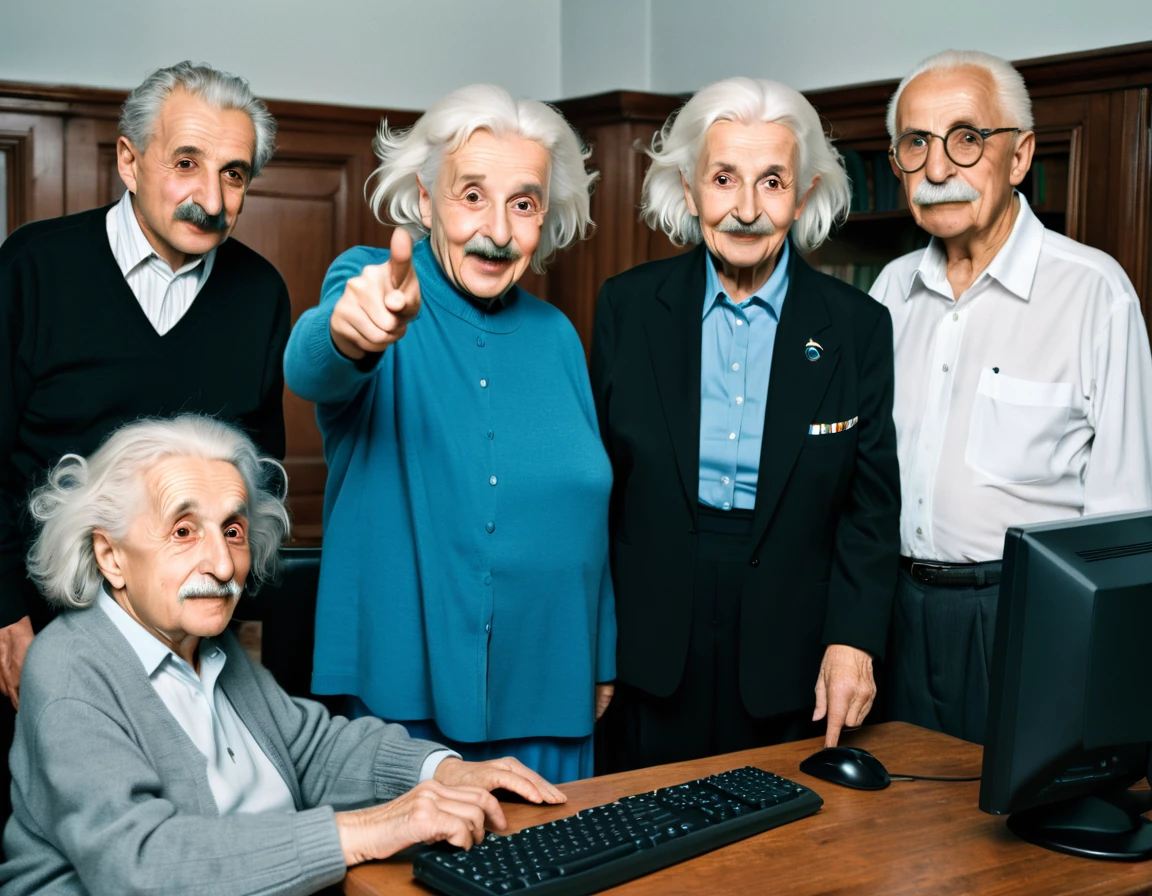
(1130, 172)
(33, 148)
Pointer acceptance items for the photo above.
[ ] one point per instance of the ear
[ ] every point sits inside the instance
(107, 559)
(1022, 157)
(127, 158)
(804, 201)
(425, 206)
(688, 197)
(895, 168)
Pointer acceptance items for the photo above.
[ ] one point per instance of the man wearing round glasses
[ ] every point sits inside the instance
(1023, 377)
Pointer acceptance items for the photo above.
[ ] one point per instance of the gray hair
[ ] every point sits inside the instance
(219, 89)
(418, 151)
(105, 492)
(1014, 100)
(677, 147)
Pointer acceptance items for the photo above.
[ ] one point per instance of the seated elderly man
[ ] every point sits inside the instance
(465, 587)
(1023, 378)
(746, 402)
(151, 754)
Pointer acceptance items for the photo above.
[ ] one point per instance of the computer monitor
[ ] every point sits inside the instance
(1070, 699)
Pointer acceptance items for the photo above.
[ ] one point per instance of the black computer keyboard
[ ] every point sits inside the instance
(607, 845)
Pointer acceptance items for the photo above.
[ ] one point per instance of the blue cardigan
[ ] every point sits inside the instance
(465, 573)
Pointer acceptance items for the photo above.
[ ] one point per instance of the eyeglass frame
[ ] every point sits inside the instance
(984, 133)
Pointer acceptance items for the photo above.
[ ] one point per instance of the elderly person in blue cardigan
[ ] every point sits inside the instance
(151, 755)
(464, 587)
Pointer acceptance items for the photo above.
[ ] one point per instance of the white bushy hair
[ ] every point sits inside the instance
(677, 147)
(1014, 100)
(218, 89)
(106, 491)
(406, 154)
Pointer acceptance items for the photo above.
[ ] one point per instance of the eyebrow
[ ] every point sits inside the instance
(189, 506)
(532, 189)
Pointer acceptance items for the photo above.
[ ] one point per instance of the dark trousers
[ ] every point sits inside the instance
(941, 656)
(705, 715)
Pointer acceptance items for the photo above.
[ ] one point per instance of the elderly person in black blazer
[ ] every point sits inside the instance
(746, 402)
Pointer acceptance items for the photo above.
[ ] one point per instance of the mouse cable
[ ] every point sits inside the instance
(929, 778)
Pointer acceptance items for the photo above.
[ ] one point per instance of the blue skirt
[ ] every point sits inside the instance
(557, 759)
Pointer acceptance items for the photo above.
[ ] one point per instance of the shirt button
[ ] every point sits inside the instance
(731, 436)
(755, 561)
(945, 368)
(726, 506)
(489, 527)
(724, 479)
(919, 500)
(739, 399)
(488, 627)
(480, 341)
(739, 323)
(483, 384)
(487, 580)
(735, 366)
(919, 531)
(491, 434)
(955, 316)
(491, 480)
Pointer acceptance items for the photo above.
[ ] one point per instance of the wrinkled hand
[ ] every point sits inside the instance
(604, 694)
(845, 689)
(14, 642)
(509, 773)
(378, 303)
(428, 813)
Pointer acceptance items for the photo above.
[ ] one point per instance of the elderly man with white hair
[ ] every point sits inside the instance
(464, 587)
(151, 754)
(746, 403)
(1023, 377)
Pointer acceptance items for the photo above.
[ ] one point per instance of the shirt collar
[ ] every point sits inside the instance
(148, 648)
(1014, 266)
(771, 293)
(131, 247)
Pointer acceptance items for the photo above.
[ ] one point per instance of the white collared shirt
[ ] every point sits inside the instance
(1027, 399)
(164, 294)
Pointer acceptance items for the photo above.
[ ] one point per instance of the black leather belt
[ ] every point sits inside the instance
(952, 575)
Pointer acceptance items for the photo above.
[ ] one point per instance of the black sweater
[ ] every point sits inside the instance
(78, 357)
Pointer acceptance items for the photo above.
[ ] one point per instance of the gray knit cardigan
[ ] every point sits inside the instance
(110, 796)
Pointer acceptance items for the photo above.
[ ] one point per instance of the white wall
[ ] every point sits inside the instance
(390, 53)
(605, 45)
(829, 43)
(405, 53)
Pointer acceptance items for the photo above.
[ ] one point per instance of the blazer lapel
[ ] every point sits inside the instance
(795, 387)
(674, 327)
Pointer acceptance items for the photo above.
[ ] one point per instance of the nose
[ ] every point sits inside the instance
(939, 167)
(216, 558)
(500, 225)
(747, 208)
(211, 196)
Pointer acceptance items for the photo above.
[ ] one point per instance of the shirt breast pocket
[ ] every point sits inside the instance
(1016, 426)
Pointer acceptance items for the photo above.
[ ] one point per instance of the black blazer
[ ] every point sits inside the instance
(826, 523)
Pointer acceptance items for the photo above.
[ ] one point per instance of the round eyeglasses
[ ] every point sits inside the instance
(963, 144)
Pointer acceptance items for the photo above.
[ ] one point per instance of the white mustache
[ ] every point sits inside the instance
(209, 587)
(955, 189)
(762, 226)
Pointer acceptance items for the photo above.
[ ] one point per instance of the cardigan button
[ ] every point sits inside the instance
(489, 527)
(755, 561)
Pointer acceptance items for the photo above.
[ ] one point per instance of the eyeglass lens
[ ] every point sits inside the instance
(963, 145)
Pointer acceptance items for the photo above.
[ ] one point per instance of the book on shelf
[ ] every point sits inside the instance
(862, 276)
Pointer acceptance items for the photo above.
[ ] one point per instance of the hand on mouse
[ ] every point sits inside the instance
(845, 689)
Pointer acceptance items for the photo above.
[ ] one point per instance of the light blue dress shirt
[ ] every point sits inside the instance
(735, 364)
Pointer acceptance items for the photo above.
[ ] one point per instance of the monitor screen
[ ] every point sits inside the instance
(1070, 699)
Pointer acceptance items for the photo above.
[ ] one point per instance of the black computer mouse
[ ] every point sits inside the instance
(848, 766)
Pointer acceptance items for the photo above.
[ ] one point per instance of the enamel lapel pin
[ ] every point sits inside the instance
(812, 350)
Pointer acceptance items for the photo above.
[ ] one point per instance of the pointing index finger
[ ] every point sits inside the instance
(400, 259)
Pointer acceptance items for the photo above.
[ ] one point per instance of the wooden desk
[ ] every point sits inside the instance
(915, 837)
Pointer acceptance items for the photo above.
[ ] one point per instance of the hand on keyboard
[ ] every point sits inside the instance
(605, 845)
(509, 773)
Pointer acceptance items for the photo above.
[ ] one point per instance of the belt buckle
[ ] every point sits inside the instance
(925, 568)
